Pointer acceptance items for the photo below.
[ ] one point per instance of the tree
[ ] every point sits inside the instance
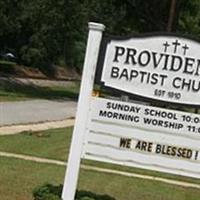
(189, 18)
(43, 33)
(10, 25)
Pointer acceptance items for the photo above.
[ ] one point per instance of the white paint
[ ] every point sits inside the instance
(92, 52)
(177, 118)
(103, 141)
(142, 88)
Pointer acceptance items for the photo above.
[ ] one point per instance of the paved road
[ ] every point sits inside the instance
(34, 111)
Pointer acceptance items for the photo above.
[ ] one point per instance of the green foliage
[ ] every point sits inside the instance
(33, 56)
(189, 18)
(41, 32)
(86, 195)
(47, 192)
(51, 192)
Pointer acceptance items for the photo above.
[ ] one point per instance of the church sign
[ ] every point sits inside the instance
(164, 68)
(158, 69)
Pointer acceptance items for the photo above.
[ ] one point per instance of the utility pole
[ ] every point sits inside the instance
(172, 15)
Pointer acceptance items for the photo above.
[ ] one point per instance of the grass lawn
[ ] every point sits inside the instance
(18, 179)
(49, 144)
(55, 143)
(11, 96)
(124, 188)
(13, 91)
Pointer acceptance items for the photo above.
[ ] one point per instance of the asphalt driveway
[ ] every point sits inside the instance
(35, 111)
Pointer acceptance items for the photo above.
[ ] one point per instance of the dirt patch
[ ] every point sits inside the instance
(60, 73)
(14, 129)
(28, 72)
(66, 74)
(44, 82)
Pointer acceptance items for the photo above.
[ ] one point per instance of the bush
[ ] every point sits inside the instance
(50, 192)
(85, 195)
(33, 57)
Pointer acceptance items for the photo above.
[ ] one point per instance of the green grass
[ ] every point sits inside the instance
(11, 96)
(55, 143)
(52, 144)
(124, 188)
(5, 62)
(18, 179)
(15, 91)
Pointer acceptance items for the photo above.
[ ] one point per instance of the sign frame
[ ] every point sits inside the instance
(108, 38)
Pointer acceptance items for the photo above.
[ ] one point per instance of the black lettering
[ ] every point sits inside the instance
(156, 61)
(186, 84)
(163, 77)
(144, 58)
(143, 73)
(114, 72)
(176, 63)
(102, 113)
(158, 148)
(154, 79)
(197, 73)
(166, 61)
(125, 143)
(173, 153)
(176, 82)
(188, 63)
(195, 86)
(119, 51)
(130, 55)
(108, 105)
(134, 74)
(124, 74)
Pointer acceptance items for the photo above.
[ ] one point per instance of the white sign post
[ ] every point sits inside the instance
(91, 57)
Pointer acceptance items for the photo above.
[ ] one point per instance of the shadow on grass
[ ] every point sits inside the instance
(52, 192)
(20, 89)
(81, 195)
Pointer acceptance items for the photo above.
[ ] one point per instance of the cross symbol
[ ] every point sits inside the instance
(185, 48)
(176, 43)
(166, 45)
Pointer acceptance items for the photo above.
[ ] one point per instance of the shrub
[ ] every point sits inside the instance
(47, 192)
(85, 195)
(50, 192)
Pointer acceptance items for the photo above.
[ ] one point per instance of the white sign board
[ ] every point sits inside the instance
(158, 67)
(143, 136)
(164, 68)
